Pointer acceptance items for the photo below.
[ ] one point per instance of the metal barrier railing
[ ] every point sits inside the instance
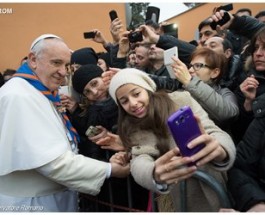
(216, 186)
(209, 180)
(110, 204)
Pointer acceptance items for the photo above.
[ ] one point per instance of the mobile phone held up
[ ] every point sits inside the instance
(184, 128)
(168, 54)
(113, 15)
(89, 35)
(92, 131)
(221, 22)
(152, 13)
(227, 7)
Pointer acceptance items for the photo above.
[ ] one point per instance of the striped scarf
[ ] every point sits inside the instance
(26, 73)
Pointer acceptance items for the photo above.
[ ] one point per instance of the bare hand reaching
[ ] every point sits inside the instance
(111, 142)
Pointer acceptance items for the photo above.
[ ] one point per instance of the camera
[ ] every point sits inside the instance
(135, 36)
(92, 131)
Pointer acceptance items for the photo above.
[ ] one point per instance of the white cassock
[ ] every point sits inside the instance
(38, 168)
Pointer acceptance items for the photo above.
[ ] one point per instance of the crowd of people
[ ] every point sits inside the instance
(50, 162)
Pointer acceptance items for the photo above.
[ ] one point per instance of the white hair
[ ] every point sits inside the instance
(38, 44)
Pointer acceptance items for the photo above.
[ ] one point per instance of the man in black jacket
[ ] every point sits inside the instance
(224, 46)
(246, 179)
(248, 27)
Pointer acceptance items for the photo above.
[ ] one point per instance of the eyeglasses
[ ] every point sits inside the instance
(197, 66)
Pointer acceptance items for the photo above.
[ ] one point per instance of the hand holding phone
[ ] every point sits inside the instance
(184, 128)
(135, 36)
(92, 131)
(221, 22)
(89, 35)
(168, 54)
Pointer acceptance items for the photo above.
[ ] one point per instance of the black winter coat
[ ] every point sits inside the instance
(246, 179)
(103, 113)
(240, 126)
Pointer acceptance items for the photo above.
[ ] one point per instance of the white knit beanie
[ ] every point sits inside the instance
(130, 76)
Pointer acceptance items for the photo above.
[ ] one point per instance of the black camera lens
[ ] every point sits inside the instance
(135, 36)
(182, 119)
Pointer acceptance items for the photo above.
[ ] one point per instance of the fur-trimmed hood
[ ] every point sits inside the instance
(248, 63)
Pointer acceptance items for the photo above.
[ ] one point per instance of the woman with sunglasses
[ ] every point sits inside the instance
(202, 78)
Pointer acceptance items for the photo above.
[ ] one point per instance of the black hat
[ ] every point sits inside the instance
(106, 57)
(84, 56)
(85, 74)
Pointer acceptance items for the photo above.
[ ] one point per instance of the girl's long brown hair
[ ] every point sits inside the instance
(159, 109)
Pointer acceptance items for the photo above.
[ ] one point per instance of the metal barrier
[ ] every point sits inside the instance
(209, 180)
(212, 183)
(110, 204)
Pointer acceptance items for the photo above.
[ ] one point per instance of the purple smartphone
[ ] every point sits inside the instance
(184, 128)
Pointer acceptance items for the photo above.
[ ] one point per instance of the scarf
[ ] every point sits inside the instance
(26, 73)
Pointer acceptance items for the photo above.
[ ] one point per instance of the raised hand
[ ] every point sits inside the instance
(107, 75)
(172, 167)
(249, 88)
(111, 141)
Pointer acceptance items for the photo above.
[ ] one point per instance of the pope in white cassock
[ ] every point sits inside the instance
(40, 169)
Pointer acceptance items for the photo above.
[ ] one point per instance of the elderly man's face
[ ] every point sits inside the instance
(51, 64)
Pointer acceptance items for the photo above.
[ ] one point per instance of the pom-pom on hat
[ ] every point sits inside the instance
(42, 37)
(130, 76)
(83, 75)
(84, 56)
